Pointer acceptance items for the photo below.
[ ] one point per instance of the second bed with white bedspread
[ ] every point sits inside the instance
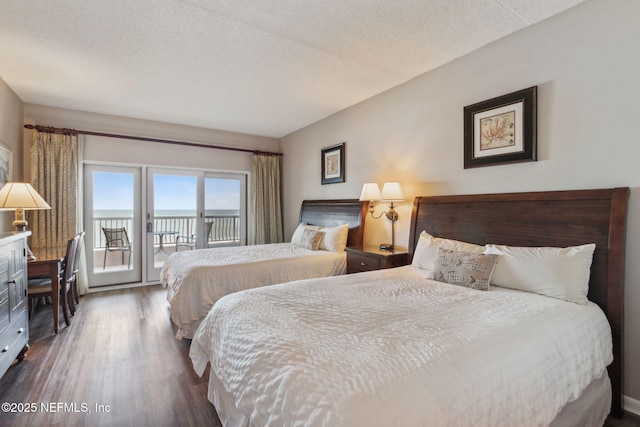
(197, 279)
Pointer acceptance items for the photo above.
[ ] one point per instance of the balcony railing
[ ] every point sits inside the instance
(225, 228)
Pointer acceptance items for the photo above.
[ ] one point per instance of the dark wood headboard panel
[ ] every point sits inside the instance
(555, 218)
(330, 213)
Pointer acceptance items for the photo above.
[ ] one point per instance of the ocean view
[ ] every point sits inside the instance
(125, 213)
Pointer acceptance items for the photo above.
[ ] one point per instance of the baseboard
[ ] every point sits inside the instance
(631, 405)
(123, 286)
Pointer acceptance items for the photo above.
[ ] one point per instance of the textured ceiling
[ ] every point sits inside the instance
(265, 67)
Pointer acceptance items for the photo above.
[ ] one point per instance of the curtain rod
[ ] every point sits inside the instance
(65, 131)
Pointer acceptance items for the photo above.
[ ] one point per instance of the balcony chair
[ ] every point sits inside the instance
(190, 241)
(117, 241)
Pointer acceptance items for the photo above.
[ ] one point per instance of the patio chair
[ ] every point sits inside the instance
(117, 241)
(190, 241)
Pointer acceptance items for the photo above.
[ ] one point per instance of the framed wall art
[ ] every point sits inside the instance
(501, 130)
(6, 164)
(333, 161)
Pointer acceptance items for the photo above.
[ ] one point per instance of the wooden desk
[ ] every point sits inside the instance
(49, 264)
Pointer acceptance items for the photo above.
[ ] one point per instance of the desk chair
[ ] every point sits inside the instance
(42, 287)
(74, 285)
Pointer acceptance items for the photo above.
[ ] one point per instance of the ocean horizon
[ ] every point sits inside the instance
(127, 213)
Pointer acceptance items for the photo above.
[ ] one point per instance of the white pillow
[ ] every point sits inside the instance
(555, 272)
(297, 238)
(335, 238)
(427, 251)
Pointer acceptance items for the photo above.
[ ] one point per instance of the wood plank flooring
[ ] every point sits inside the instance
(120, 351)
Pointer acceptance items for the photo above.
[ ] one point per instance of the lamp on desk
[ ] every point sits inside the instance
(21, 196)
(391, 192)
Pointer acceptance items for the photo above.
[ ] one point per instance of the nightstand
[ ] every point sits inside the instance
(371, 258)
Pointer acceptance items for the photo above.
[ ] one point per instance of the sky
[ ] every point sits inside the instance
(115, 191)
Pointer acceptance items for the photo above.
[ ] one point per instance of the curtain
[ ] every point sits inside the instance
(54, 169)
(266, 205)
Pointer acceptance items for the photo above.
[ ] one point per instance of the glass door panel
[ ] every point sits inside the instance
(225, 207)
(112, 218)
(172, 221)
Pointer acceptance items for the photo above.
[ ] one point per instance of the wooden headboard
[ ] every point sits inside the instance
(554, 218)
(330, 213)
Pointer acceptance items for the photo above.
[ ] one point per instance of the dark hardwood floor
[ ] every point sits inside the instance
(118, 364)
(629, 420)
(119, 356)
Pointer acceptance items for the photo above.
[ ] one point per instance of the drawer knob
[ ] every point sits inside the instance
(21, 330)
(363, 264)
(4, 350)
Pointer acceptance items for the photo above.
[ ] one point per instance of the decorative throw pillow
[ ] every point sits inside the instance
(464, 268)
(297, 235)
(555, 272)
(310, 239)
(335, 238)
(426, 251)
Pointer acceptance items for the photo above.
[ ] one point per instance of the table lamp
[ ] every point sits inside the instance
(21, 196)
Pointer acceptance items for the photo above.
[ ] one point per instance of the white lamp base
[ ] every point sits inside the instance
(20, 224)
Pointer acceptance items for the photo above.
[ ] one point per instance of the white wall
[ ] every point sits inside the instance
(115, 150)
(11, 138)
(586, 65)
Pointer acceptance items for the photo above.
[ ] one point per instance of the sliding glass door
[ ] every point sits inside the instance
(112, 215)
(189, 210)
(136, 217)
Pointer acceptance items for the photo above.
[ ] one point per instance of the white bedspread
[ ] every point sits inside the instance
(197, 279)
(392, 348)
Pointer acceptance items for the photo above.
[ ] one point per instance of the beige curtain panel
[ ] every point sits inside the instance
(265, 195)
(54, 169)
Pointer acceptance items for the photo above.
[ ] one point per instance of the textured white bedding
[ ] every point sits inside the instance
(197, 279)
(393, 348)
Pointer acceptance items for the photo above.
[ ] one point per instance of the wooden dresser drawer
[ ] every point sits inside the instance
(13, 340)
(14, 318)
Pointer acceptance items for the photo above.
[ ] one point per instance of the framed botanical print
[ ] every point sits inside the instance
(501, 130)
(333, 161)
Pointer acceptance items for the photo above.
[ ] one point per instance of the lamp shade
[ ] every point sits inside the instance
(392, 191)
(21, 195)
(370, 191)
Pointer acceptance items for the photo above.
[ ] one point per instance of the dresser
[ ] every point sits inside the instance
(14, 319)
(371, 258)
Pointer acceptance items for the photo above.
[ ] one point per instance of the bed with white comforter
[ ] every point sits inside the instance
(197, 279)
(394, 348)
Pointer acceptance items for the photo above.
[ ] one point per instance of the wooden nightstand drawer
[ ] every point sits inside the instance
(370, 258)
(357, 263)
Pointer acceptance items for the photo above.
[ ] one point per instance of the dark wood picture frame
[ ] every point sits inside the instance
(501, 130)
(333, 162)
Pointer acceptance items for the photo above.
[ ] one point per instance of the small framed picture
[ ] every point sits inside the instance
(501, 130)
(333, 164)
